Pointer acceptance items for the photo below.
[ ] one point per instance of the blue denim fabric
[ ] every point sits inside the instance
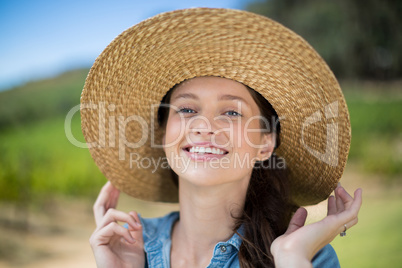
(157, 244)
(326, 258)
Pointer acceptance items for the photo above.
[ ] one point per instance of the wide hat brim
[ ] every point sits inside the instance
(128, 80)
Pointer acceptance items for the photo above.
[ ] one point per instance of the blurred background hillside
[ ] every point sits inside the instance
(48, 185)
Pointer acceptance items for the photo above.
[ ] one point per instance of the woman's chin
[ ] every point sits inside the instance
(206, 176)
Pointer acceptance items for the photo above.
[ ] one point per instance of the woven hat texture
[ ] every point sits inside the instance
(128, 80)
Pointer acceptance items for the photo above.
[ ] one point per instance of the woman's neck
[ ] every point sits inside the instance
(206, 217)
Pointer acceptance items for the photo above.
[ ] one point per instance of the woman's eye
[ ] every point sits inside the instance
(233, 113)
(186, 111)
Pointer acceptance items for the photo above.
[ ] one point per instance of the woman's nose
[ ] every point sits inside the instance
(203, 125)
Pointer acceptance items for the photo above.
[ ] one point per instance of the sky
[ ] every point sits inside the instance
(43, 38)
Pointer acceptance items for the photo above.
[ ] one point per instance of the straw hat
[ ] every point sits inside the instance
(128, 80)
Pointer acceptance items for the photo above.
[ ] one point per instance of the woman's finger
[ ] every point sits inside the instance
(113, 215)
(346, 198)
(103, 236)
(136, 233)
(351, 223)
(357, 200)
(350, 215)
(104, 194)
(339, 203)
(331, 206)
(108, 196)
(114, 198)
(134, 214)
(297, 221)
(354, 207)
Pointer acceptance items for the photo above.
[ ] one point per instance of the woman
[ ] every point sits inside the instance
(218, 134)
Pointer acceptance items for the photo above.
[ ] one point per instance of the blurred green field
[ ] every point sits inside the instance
(37, 161)
(376, 119)
(376, 241)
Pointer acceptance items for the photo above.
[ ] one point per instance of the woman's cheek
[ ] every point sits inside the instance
(174, 132)
(252, 135)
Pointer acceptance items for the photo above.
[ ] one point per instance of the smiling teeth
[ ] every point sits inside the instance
(208, 150)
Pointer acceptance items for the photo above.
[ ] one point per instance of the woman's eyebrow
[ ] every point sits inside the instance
(186, 96)
(221, 97)
(232, 97)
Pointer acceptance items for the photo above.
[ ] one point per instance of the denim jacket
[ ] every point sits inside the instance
(157, 244)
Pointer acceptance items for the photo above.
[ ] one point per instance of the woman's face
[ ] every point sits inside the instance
(213, 132)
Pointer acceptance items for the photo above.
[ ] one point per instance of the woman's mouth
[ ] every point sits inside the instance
(204, 153)
(206, 150)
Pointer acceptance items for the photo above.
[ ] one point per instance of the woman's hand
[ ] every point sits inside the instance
(300, 243)
(112, 244)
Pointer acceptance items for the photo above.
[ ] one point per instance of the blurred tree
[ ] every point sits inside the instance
(358, 39)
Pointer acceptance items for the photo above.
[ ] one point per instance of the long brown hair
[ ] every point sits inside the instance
(268, 209)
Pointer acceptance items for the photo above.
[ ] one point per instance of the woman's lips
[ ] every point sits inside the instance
(206, 150)
(204, 153)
